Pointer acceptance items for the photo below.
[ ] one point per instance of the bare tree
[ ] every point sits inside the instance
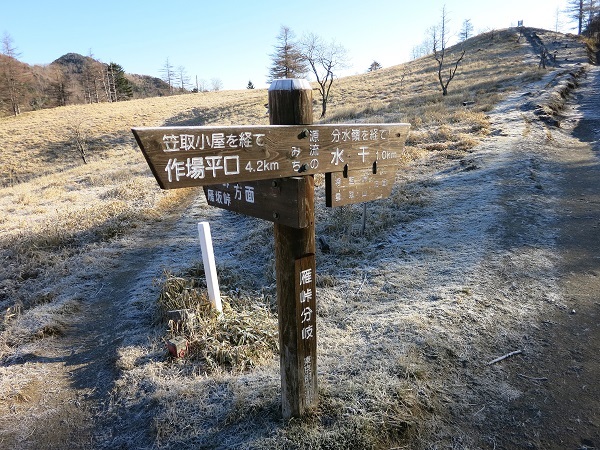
(557, 22)
(324, 59)
(467, 30)
(168, 74)
(583, 12)
(91, 76)
(79, 134)
(201, 84)
(287, 59)
(182, 78)
(12, 75)
(406, 72)
(216, 84)
(440, 53)
(426, 46)
(575, 11)
(110, 85)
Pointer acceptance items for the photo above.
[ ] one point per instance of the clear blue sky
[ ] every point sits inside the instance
(232, 40)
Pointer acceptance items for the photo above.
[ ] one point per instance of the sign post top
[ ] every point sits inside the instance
(290, 84)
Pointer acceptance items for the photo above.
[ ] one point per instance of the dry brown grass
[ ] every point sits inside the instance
(56, 207)
(48, 137)
(243, 336)
(494, 65)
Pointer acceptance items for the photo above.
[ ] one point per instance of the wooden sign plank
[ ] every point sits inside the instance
(359, 185)
(306, 324)
(278, 200)
(198, 156)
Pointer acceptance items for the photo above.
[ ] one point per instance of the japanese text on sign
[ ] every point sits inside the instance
(241, 193)
(202, 141)
(306, 295)
(306, 323)
(202, 166)
(201, 156)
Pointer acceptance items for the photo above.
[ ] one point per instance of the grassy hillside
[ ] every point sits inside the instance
(59, 215)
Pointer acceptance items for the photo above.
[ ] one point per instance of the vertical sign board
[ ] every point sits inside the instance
(290, 103)
(306, 324)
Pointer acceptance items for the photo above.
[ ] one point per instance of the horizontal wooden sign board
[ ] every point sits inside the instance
(198, 156)
(358, 186)
(278, 200)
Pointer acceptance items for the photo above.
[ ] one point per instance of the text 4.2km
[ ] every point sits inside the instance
(262, 166)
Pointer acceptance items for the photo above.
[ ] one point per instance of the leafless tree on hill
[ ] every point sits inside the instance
(467, 30)
(79, 135)
(168, 74)
(182, 78)
(201, 84)
(440, 53)
(216, 84)
(91, 79)
(324, 59)
(406, 72)
(110, 85)
(583, 12)
(426, 46)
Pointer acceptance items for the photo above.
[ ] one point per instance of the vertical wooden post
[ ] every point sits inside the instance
(290, 103)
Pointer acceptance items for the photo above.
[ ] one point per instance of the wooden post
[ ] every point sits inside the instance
(290, 103)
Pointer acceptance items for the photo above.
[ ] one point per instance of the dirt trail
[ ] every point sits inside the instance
(74, 372)
(551, 200)
(566, 406)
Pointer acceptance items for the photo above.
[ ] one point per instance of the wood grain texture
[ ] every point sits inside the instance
(291, 107)
(181, 157)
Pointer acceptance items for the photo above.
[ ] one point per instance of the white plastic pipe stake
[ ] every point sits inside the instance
(210, 269)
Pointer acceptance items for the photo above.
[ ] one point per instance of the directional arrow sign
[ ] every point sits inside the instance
(197, 156)
(278, 201)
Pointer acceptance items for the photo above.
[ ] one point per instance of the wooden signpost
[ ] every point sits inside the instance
(357, 186)
(198, 156)
(268, 172)
(278, 201)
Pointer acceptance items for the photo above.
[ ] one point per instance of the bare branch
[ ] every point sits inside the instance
(324, 59)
